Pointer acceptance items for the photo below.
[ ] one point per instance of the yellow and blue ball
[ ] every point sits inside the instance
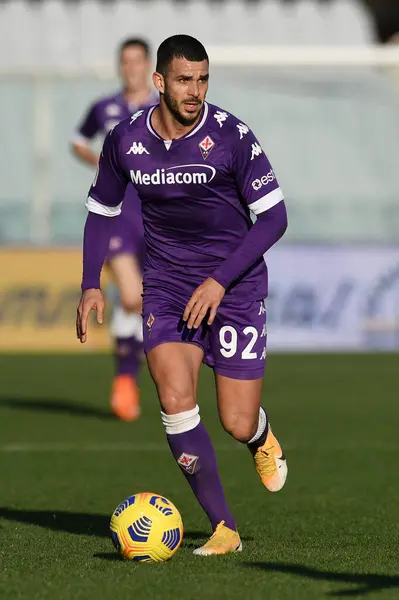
(146, 527)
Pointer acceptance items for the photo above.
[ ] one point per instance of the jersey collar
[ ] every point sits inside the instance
(201, 123)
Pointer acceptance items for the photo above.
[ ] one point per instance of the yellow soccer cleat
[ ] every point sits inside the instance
(222, 541)
(270, 463)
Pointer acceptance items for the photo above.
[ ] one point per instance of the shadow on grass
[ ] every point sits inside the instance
(62, 407)
(365, 583)
(83, 524)
(59, 520)
(71, 522)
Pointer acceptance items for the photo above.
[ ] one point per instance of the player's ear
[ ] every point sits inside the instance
(159, 82)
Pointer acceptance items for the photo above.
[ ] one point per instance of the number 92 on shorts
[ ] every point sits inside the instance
(234, 345)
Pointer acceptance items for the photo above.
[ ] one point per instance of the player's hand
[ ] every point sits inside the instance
(92, 299)
(206, 297)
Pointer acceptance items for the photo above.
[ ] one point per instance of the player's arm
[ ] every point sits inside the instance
(103, 203)
(85, 133)
(259, 189)
(84, 153)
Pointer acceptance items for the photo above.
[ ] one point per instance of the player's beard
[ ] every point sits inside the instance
(173, 107)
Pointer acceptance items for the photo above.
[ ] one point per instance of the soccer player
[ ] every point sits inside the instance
(202, 173)
(126, 248)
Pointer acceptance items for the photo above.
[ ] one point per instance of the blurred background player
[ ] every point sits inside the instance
(126, 250)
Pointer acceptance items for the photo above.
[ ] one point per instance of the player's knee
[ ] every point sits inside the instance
(240, 428)
(175, 400)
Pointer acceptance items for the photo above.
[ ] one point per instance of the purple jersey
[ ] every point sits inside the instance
(197, 194)
(104, 114)
(101, 117)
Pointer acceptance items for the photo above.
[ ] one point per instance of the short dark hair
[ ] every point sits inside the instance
(135, 42)
(179, 46)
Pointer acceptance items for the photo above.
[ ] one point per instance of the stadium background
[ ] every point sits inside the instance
(318, 81)
(326, 114)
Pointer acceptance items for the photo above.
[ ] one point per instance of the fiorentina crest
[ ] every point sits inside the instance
(150, 323)
(188, 462)
(206, 146)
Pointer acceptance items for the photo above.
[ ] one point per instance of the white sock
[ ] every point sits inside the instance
(181, 422)
(262, 424)
(126, 324)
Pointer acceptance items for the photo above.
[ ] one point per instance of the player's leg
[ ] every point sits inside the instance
(175, 368)
(126, 327)
(238, 355)
(241, 414)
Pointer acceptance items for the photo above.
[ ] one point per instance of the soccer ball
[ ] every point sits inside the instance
(146, 527)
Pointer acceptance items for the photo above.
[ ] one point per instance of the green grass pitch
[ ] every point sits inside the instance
(65, 464)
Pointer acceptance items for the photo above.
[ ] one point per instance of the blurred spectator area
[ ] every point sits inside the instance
(385, 15)
(332, 134)
(69, 33)
(72, 32)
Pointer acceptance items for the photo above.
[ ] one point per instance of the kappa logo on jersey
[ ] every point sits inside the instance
(256, 151)
(136, 116)
(243, 129)
(220, 117)
(206, 146)
(264, 331)
(179, 174)
(188, 462)
(263, 356)
(268, 178)
(137, 148)
(262, 309)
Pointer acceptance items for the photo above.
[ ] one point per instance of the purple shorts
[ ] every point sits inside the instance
(128, 233)
(234, 345)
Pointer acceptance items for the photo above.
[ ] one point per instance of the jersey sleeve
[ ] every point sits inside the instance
(109, 185)
(89, 127)
(255, 179)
